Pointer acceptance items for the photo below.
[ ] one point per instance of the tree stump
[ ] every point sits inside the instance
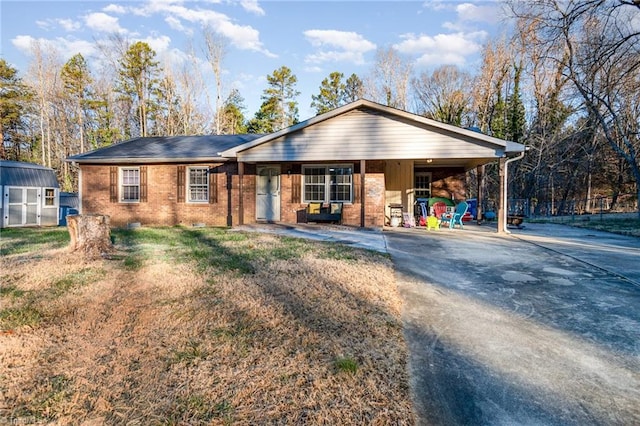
(90, 235)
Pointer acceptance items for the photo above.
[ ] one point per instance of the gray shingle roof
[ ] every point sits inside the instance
(165, 149)
(17, 173)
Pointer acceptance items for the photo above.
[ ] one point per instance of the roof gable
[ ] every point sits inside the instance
(366, 130)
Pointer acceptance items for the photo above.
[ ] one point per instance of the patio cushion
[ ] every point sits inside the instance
(314, 208)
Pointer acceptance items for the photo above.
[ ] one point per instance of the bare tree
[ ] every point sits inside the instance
(215, 51)
(491, 78)
(443, 95)
(598, 49)
(43, 74)
(389, 79)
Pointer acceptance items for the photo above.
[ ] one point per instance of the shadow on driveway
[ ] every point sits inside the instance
(539, 327)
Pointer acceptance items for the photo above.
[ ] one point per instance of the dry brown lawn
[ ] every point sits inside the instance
(202, 327)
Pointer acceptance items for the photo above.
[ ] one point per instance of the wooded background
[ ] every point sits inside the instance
(565, 82)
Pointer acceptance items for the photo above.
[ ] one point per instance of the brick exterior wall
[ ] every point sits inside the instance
(163, 207)
(374, 194)
(292, 209)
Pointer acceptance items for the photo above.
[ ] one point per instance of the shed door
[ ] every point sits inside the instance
(268, 193)
(22, 206)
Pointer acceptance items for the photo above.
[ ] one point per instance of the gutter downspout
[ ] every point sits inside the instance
(506, 187)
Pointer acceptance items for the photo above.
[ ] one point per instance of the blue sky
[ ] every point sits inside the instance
(312, 38)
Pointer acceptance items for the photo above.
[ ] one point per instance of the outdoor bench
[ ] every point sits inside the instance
(316, 212)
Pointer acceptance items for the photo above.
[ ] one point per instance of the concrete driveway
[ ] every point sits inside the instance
(541, 327)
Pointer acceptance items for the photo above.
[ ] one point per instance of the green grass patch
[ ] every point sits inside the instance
(339, 252)
(191, 351)
(213, 248)
(11, 291)
(75, 280)
(346, 364)
(623, 226)
(197, 408)
(133, 262)
(57, 393)
(24, 240)
(607, 222)
(11, 318)
(165, 236)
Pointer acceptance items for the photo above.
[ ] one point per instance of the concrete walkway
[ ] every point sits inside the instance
(541, 326)
(370, 239)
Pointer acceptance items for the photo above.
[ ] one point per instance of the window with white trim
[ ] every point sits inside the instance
(327, 183)
(422, 184)
(49, 197)
(198, 185)
(130, 184)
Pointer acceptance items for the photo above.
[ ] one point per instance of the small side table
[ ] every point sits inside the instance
(395, 215)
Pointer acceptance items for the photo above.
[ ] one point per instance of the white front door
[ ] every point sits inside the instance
(268, 193)
(22, 205)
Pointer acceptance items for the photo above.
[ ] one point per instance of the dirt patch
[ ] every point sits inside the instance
(174, 342)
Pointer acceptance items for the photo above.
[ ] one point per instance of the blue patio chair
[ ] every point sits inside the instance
(456, 217)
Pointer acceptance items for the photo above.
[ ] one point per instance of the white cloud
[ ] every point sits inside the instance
(335, 56)
(115, 8)
(45, 25)
(176, 24)
(252, 6)
(478, 12)
(341, 46)
(69, 24)
(442, 48)
(159, 44)
(313, 69)
(102, 22)
(488, 12)
(243, 37)
(435, 4)
(66, 47)
(23, 42)
(343, 39)
(174, 58)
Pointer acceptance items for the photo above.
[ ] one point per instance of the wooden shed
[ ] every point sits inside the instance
(30, 195)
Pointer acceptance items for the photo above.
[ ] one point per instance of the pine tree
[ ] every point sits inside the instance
(354, 89)
(516, 121)
(264, 119)
(332, 93)
(498, 117)
(77, 80)
(232, 119)
(279, 99)
(138, 80)
(13, 95)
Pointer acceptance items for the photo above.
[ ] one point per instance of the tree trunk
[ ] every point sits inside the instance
(90, 235)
